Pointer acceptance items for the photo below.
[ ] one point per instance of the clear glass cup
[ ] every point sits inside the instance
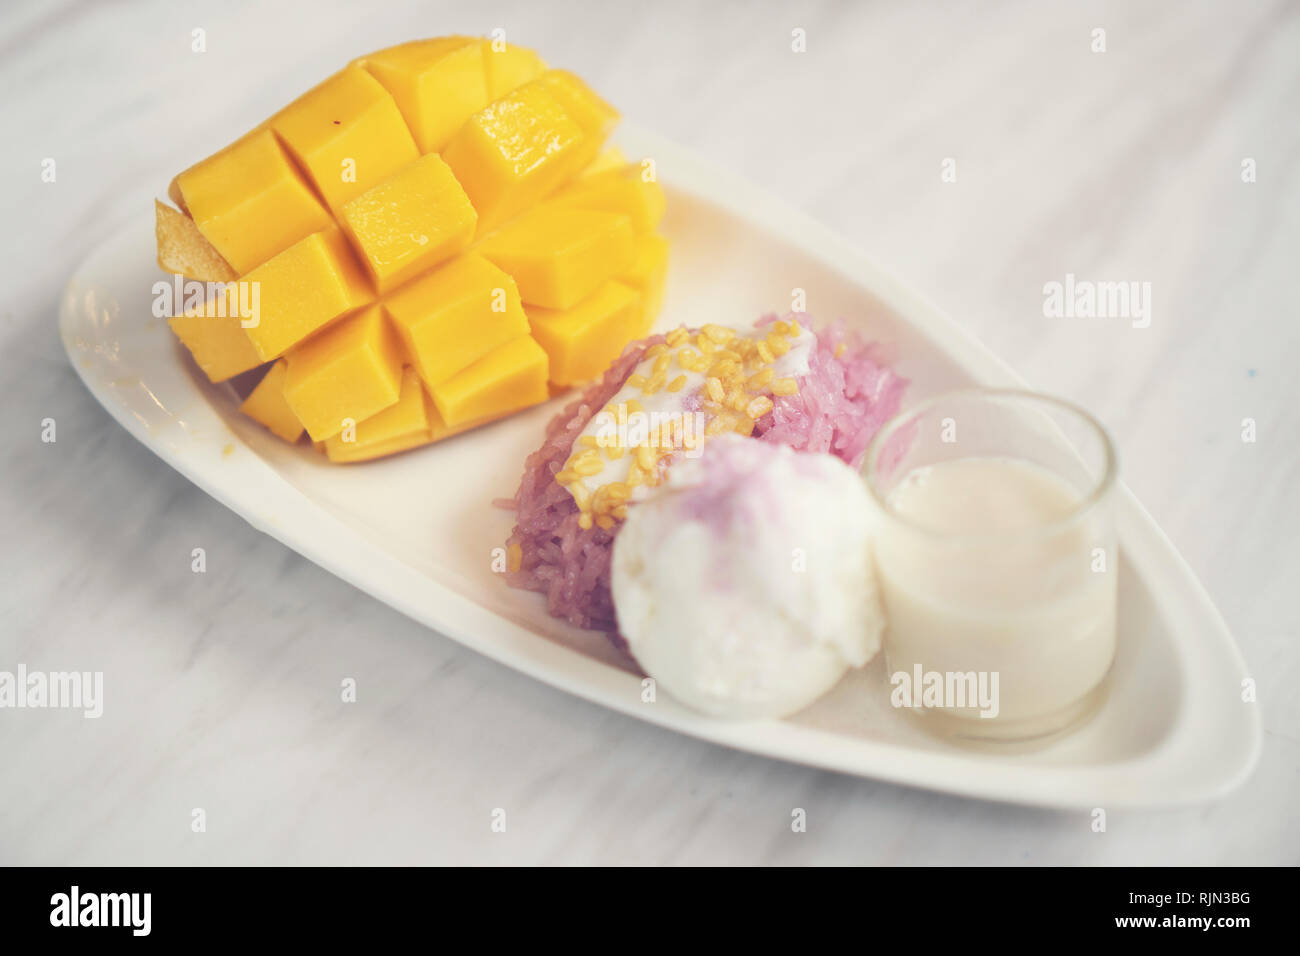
(997, 561)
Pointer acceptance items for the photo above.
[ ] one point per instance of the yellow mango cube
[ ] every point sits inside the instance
(347, 133)
(218, 342)
(514, 153)
(648, 275)
(581, 341)
(559, 254)
(266, 404)
(455, 316)
(438, 85)
(611, 157)
(623, 190)
(406, 419)
(438, 429)
(596, 117)
(434, 237)
(505, 380)
(344, 375)
(342, 453)
(508, 67)
(303, 289)
(249, 201)
(410, 222)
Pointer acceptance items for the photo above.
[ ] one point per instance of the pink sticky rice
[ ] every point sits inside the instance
(840, 405)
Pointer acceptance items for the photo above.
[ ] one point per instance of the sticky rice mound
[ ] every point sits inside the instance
(848, 393)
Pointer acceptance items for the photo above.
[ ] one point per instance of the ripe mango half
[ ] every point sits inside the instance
(432, 238)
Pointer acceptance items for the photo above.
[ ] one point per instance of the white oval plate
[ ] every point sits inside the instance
(417, 531)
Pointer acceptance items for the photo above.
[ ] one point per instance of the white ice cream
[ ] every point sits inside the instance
(744, 584)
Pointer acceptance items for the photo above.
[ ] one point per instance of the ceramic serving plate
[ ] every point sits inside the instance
(417, 531)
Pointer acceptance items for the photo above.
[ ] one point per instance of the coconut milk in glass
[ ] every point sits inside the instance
(996, 557)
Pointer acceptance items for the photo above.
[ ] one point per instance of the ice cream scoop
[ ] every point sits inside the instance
(744, 584)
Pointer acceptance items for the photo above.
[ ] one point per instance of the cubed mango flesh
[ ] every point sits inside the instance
(512, 154)
(560, 254)
(346, 452)
(508, 67)
(266, 404)
(348, 134)
(341, 452)
(407, 418)
(648, 275)
(438, 84)
(438, 429)
(303, 289)
(611, 157)
(410, 222)
(581, 341)
(506, 379)
(250, 202)
(387, 229)
(456, 315)
(217, 342)
(623, 190)
(345, 374)
(596, 117)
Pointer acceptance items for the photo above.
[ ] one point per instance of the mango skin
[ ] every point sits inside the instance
(183, 249)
